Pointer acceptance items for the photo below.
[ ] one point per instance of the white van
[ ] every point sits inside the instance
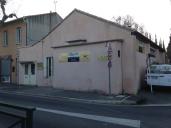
(159, 75)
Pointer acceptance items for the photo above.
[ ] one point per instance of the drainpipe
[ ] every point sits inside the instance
(122, 67)
(26, 33)
(25, 21)
(17, 66)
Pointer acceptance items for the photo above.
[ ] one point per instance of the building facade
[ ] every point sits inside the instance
(18, 33)
(74, 56)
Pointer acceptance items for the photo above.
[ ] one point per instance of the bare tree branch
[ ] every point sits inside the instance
(5, 16)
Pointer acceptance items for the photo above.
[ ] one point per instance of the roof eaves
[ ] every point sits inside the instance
(40, 14)
(53, 28)
(104, 20)
(12, 21)
(141, 37)
(21, 18)
(87, 14)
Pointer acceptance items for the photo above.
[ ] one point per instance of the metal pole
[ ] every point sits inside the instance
(29, 119)
(151, 86)
(109, 81)
(23, 124)
(109, 65)
(149, 63)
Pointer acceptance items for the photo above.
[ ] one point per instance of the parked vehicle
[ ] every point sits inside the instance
(159, 75)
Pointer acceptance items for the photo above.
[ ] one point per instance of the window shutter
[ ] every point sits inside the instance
(20, 35)
(45, 67)
(51, 66)
(16, 35)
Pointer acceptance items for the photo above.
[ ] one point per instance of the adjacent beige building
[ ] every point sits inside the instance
(18, 33)
(74, 56)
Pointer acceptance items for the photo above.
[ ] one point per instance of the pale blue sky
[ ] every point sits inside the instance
(153, 14)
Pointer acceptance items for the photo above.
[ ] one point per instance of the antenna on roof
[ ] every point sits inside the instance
(55, 2)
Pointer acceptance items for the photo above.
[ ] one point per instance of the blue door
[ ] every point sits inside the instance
(5, 70)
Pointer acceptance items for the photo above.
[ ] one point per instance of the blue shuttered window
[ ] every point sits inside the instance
(18, 35)
(5, 38)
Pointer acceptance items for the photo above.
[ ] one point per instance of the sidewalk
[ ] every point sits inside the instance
(59, 94)
(160, 96)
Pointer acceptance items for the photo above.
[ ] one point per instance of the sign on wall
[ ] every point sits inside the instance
(83, 56)
(40, 66)
(73, 57)
(63, 57)
(102, 58)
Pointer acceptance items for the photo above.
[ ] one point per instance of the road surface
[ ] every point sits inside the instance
(70, 114)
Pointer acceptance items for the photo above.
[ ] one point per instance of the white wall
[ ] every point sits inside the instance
(31, 54)
(80, 26)
(91, 75)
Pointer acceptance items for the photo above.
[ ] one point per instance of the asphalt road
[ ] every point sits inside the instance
(68, 114)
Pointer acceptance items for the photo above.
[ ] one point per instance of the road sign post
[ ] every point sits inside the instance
(109, 64)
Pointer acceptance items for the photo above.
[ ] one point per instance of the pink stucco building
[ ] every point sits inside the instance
(74, 56)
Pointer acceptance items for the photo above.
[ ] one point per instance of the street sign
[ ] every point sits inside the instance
(109, 52)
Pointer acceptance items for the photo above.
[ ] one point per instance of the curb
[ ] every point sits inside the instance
(62, 98)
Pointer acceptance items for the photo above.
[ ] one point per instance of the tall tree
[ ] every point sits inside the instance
(163, 45)
(150, 36)
(118, 20)
(147, 34)
(136, 26)
(125, 20)
(160, 43)
(141, 29)
(156, 39)
(128, 21)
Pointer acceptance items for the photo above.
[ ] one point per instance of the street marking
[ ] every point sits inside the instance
(119, 121)
(125, 98)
